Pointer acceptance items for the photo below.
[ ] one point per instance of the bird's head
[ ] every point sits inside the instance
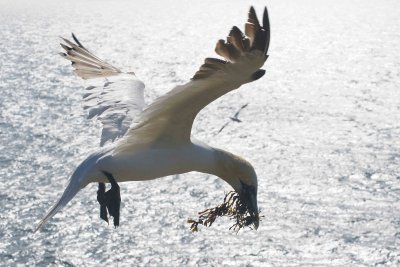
(246, 186)
(248, 195)
(240, 174)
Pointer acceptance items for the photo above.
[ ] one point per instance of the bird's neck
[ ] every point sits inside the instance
(232, 168)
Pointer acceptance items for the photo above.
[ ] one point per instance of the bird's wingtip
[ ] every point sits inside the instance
(76, 40)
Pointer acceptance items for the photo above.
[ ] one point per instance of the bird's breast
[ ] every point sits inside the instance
(157, 162)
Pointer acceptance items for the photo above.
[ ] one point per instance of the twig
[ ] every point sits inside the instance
(232, 207)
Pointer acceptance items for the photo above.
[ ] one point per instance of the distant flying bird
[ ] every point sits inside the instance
(235, 118)
(140, 142)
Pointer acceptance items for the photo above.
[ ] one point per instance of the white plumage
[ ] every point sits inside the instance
(149, 142)
(116, 104)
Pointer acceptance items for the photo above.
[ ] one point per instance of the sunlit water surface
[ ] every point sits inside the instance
(322, 130)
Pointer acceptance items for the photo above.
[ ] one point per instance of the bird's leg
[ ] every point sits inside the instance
(113, 198)
(102, 201)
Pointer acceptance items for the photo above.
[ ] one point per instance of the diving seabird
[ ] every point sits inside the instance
(140, 142)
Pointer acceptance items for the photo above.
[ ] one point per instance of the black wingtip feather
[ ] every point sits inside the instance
(235, 31)
(260, 40)
(253, 16)
(266, 19)
(266, 26)
(252, 11)
(76, 40)
(66, 48)
(236, 37)
(258, 74)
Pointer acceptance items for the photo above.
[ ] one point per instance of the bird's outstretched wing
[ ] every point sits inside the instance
(116, 100)
(169, 119)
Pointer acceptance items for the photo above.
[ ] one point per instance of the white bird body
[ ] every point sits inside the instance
(143, 143)
(151, 162)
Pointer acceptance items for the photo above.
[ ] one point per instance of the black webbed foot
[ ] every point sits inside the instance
(112, 199)
(102, 201)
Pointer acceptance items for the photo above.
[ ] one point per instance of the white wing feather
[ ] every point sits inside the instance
(116, 100)
(116, 104)
(169, 119)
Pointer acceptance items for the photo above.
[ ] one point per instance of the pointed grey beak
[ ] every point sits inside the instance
(249, 196)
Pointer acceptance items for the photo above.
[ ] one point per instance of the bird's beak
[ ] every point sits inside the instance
(249, 196)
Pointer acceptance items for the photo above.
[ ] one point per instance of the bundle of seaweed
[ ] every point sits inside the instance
(233, 207)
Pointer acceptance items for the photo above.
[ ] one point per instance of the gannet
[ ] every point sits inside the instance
(140, 142)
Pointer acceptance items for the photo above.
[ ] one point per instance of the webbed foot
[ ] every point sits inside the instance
(102, 201)
(110, 200)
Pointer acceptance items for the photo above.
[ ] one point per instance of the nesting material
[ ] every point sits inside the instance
(232, 207)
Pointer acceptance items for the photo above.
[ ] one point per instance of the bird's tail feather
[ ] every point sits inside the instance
(78, 180)
(72, 189)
